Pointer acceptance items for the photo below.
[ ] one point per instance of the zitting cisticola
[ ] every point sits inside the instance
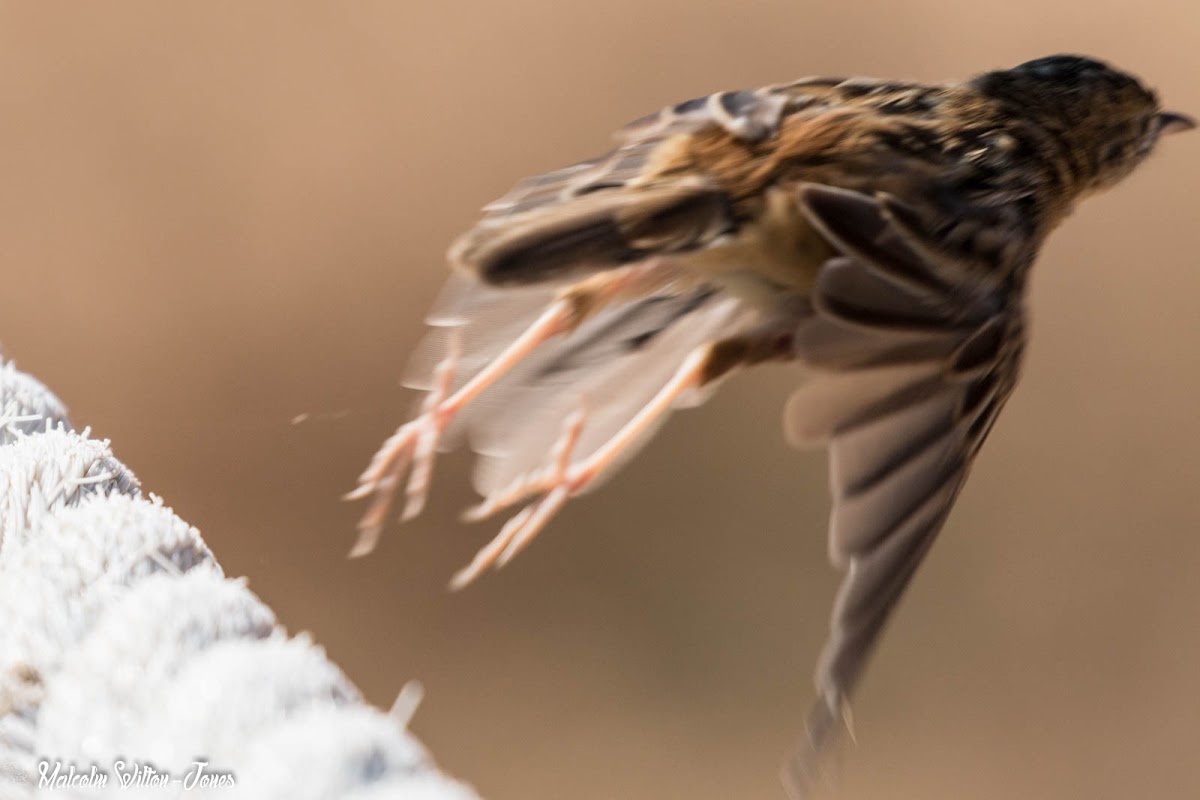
(879, 233)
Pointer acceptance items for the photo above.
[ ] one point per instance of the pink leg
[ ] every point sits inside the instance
(415, 443)
(562, 480)
(520, 530)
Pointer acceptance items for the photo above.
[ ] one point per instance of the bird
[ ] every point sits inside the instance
(877, 234)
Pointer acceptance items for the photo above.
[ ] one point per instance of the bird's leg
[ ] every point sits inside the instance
(563, 479)
(415, 443)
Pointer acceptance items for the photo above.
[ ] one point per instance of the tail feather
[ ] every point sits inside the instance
(614, 362)
(613, 370)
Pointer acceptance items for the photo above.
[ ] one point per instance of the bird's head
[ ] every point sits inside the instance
(1105, 119)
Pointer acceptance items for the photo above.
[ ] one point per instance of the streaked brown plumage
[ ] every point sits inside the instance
(879, 233)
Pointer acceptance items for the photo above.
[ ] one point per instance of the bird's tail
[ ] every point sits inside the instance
(614, 363)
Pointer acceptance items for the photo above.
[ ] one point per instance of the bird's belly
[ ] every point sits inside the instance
(777, 252)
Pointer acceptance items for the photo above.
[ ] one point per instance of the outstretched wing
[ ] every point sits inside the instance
(914, 361)
(625, 206)
(603, 213)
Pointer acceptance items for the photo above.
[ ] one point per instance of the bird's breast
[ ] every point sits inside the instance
(775, 252)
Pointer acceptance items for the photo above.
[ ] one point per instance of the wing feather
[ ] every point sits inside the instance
(913, 367)
(622, 207)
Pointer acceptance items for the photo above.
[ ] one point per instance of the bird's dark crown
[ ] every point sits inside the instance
(1073, 71)
(1063, 81)
(1105, 119)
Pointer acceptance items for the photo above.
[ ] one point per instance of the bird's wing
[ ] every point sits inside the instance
(912, 366)
(551, 228)
(746, 115)
(637, 201)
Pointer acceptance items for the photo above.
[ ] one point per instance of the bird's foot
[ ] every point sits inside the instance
(413, 449)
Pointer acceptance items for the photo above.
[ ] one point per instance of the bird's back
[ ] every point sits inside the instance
(698, 181)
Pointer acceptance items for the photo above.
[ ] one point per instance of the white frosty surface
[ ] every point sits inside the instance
(120, 638)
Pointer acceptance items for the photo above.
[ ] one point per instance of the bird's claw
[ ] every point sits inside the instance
(556, 484)
(413, 449)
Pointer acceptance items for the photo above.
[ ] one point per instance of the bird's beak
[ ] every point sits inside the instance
(1170, 122)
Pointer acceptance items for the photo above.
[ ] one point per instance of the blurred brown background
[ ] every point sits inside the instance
(216, 216)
